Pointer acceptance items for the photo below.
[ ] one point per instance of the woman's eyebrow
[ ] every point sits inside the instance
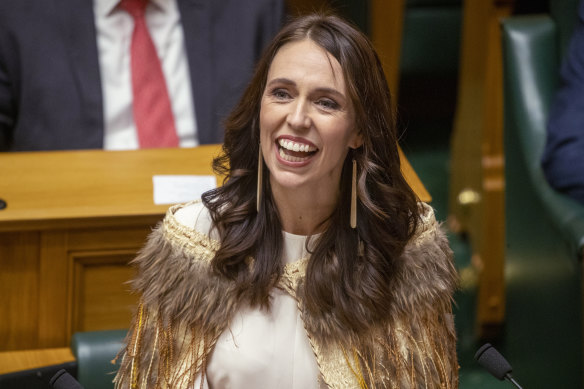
(331, 91)
(281, 80)
(324, 89)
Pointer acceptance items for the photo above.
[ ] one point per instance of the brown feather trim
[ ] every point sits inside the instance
(417, 347)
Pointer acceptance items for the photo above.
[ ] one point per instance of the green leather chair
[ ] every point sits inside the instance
(94, 352)
(544, 229)
(532, 50)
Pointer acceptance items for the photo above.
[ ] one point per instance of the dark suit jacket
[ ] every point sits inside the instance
(50, 88)
(563, 160)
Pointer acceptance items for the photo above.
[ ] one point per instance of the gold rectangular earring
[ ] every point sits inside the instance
(354, 196)
(260, 179)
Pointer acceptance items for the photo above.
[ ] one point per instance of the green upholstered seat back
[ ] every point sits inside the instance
(531, 51)
(94, 351)
(531, 78)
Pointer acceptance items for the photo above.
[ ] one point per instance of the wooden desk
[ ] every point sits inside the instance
(12, 361)
(73, 221)
(48, 190)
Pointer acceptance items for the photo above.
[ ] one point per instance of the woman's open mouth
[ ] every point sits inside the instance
(294, 151)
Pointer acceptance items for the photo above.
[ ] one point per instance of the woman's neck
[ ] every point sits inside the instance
(303, 212)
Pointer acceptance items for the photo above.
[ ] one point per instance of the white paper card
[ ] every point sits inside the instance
(174, 189)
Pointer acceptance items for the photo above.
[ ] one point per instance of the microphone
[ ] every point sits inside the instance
(495, 363)
(64, 380)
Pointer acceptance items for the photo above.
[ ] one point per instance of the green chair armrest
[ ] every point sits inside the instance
(94, 352)
(568, 216)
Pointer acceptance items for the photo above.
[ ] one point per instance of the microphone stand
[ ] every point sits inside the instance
(512, 380)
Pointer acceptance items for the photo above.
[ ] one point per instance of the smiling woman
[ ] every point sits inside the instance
(314, 265)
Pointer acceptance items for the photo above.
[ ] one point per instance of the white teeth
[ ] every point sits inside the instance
(294, 146)
(290, 158)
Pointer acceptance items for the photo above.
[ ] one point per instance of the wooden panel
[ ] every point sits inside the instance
(110, 239)
(465, 165)
(491, 243)
(101, 297)
(12, 361)
(99, 258)
(18, 290)
(476, 202)
(56, 282)
(386, 33)
(54, 279)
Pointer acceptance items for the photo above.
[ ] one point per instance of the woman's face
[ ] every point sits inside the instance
(307, 120)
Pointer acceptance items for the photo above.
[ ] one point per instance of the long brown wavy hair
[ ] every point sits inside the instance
(351, 271)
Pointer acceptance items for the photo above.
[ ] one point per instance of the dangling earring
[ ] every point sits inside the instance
(354, 196)
(260, 179)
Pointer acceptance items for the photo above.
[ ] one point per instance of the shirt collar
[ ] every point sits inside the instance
(162, 5)
(104, 8)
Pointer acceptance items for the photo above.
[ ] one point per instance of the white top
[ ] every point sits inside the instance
(261, 349)
(114, 34)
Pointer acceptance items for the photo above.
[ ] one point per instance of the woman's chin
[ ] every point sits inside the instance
(289, 181)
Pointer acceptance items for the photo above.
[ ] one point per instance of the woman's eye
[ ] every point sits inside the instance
(280, 94)
(328, 104)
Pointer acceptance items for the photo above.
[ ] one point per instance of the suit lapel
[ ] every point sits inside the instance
(78, 22)
(196, 23)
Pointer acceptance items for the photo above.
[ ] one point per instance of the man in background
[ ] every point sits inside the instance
(74, 73)
(563, 159)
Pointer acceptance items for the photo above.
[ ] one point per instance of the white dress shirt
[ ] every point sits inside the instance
(114, 34)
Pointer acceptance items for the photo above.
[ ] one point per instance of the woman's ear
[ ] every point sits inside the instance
(356, 140)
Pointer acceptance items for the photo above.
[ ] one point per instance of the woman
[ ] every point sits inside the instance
(313, 265)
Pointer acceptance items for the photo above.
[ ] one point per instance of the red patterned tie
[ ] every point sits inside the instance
(151, 103)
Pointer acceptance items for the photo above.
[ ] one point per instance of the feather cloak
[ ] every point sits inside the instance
(185, 306)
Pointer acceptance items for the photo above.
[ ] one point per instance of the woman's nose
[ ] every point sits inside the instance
(298, 118)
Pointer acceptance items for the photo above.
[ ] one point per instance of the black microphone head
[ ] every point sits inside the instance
(64, 380)
(493, 361)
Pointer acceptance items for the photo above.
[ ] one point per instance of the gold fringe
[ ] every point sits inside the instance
(398, 357)
(136, 349)
(148, 372)
(356, 356)
(356, 371)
